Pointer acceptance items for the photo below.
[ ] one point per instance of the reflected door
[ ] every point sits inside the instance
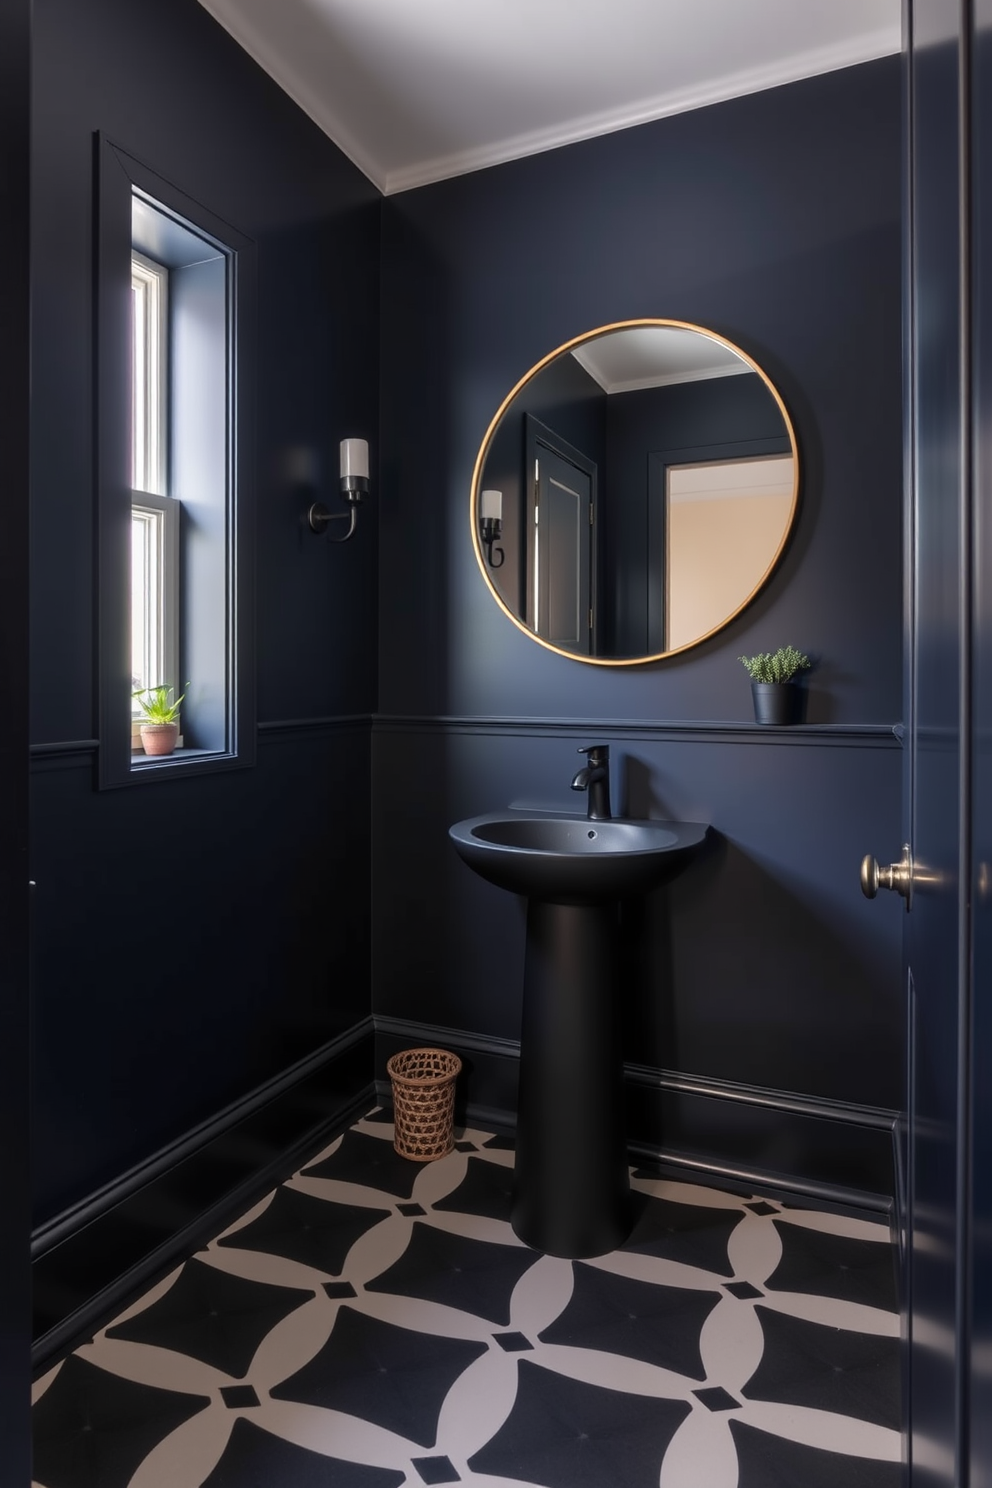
(561, 568)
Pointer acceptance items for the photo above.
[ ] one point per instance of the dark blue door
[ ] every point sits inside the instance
(979, 1374)
(949, 766)
(935, 991)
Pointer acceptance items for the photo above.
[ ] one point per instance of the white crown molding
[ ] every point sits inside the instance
(389, 181)
(717, 90)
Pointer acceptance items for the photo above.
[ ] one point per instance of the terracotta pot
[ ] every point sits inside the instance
(159, 738)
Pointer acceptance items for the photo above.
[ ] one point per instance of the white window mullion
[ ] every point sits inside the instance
(147, 563)
(150, 302)
(154, 513)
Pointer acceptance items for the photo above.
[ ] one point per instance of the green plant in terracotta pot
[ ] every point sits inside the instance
(777, 696)
(159, 718)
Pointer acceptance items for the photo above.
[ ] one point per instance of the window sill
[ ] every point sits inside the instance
(181, 759)
(140, 761)
(144, 771)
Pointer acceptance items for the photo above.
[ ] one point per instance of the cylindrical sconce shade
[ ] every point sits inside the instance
(355, 458)
(492, 505)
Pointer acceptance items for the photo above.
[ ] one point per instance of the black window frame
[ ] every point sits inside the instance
(118, 176)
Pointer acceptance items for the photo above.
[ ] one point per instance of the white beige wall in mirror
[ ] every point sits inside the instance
(647, 477)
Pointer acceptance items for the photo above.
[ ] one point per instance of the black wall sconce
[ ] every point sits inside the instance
(491, 526)
(354, 489)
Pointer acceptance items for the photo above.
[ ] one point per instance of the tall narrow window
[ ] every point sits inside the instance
(175, 295)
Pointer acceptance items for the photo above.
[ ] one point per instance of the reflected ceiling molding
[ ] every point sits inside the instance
(656, 356)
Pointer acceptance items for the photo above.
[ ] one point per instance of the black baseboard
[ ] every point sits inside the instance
(827, 1151)
(88, 1262)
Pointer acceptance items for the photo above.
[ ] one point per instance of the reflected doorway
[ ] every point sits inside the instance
(723, 518)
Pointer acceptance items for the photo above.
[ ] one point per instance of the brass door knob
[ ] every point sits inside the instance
(895, 876)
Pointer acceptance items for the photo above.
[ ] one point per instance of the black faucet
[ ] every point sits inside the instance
(595, 778)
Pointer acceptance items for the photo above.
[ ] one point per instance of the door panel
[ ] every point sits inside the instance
(563, 595)
(939, 753)
(980, 1372)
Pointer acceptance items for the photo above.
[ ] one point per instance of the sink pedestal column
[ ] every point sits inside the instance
(571, 1182)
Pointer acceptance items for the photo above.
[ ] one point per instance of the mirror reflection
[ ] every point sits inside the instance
(634, 491)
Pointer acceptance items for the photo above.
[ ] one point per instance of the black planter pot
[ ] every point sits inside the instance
(778, 702)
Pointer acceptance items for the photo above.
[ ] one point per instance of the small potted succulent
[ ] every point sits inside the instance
(778, 698)
(159, 719)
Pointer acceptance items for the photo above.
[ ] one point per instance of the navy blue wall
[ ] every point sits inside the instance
(15, 386)
(194, 938)
(774, 220)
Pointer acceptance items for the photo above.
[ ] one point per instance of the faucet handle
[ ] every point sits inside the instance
(598, 753)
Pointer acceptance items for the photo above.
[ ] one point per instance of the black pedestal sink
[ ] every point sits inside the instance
(571, 1184)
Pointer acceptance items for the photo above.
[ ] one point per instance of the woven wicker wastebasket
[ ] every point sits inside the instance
(423, 1083)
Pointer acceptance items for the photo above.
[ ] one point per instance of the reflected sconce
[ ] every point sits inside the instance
(354, 489)
(491, 526)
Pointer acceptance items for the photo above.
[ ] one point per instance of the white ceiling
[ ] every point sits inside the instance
(417, 90)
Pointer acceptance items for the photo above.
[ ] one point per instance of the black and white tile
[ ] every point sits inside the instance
(374, 1323)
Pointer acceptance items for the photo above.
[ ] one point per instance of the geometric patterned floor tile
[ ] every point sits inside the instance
(344, 1333)
(694, 1235)
(564, 1433)
(658, 1324)
(513, 1343)
(500, 1143)
(93, 1428)
(211, 1316)
(863, 1369)
(742, 1290)
(372, 1162)
(437, 1469)
(767, 1461)
(716, 1398)
(486, 1189)
(395, 1377)
(255, 1457)
(474, 1276)
(313, 1231)
(834, 1266)
(238, 1397)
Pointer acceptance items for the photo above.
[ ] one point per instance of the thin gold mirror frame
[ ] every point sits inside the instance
(567, 346)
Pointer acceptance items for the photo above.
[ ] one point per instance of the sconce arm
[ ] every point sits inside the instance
(490, 530)
(319, 519)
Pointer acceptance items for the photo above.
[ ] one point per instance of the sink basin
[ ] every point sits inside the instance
(569, 859)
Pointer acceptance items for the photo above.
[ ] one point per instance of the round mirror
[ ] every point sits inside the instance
(634, 491)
